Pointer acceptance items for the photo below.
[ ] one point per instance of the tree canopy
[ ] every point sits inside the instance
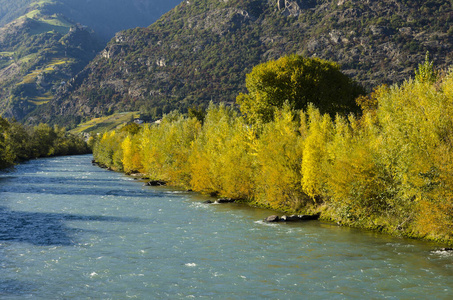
(19, 143)
(298, 81)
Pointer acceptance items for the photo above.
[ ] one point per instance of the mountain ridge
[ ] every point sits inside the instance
(202, 49)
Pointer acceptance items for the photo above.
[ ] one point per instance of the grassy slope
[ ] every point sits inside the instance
(105, 123)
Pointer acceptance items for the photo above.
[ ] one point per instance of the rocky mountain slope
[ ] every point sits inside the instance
(43, 43)
(201, 50)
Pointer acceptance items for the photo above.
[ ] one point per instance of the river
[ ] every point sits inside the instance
(70, 230)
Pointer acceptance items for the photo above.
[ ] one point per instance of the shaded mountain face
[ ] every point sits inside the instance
(45, 43)
(12, 9)
(201, 50)
(105, 17)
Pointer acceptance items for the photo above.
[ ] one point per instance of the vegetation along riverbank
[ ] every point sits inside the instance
(20, 143)
(294, 147)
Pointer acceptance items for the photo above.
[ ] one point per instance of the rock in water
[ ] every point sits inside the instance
(156, 183)
(273, 218)
(309, 217)
(225, 200)
(291, 218)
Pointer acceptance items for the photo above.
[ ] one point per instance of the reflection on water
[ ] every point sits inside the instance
(71, 230)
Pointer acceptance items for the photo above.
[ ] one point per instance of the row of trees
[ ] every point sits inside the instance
(389, 168)
(20, 143)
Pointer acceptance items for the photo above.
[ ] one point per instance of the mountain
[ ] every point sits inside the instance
(45, 43)
(202, 49)
(105, 17)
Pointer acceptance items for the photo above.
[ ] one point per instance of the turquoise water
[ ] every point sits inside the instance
(70, 230)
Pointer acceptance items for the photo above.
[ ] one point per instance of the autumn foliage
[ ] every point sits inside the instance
(390, 168)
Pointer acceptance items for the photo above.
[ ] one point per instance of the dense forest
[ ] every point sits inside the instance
(19, 143)
(388, 168)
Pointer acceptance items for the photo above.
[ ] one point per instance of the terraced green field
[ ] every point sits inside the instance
(106, 123)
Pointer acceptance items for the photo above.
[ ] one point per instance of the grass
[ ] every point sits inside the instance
(31, 77)
(6, 54)
(27, 58)
(105, 123)
(47, 23)
(4, 59)
(40, 100)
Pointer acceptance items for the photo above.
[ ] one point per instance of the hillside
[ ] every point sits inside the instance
(45, 44)
(38, 54)
(201, 50)
(105, 17)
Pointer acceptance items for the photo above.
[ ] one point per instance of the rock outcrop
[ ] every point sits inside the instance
(289, 7)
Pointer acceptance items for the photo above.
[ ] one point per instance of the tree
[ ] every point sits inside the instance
(298, 81)
(315, 154)
(6, 155)
(426, 71)
(279, 159)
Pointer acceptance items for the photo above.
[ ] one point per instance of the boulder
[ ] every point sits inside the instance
(273, 218)
(225, 200)
(156, 183)
(291, 218)
(309, 217)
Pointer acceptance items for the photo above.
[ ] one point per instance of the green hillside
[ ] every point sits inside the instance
(201, 50)
(38, 54)
(43, 44)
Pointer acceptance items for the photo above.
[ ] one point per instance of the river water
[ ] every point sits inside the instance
(70, 230)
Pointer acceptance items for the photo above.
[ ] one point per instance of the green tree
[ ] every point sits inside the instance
(298, 81)
(6, 155)
(19, 141)
(426, 71)
(43, 137)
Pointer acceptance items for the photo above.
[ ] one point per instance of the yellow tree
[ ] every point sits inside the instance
(279, 158)
(315, 153)
(237, 161)
(206, 161)
(131, 155)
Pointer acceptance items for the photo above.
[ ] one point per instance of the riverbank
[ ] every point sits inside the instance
(322, 211)
(389, 169)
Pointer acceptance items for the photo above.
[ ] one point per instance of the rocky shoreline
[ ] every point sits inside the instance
(292, 218)
(273, 218)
